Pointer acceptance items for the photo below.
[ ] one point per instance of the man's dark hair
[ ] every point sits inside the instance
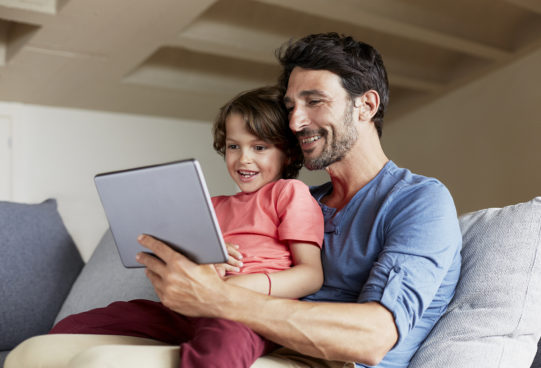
(358, 64)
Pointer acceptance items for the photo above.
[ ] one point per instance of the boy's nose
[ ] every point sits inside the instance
(245, 157)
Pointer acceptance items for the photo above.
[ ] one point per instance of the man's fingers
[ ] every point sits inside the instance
(157, 247)
(150, 261)
(156, 281)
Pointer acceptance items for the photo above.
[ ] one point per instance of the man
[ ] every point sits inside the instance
(391, 254)
(392, 245)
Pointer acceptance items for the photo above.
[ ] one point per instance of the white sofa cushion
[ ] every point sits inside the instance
(493, 320)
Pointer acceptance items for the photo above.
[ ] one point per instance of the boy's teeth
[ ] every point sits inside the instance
(311, 139)
(247, 173)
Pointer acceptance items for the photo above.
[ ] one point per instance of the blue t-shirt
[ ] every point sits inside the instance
(396, 242)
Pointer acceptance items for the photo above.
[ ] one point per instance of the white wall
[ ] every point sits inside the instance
(5, 157)
(482, 140)
(56, 153)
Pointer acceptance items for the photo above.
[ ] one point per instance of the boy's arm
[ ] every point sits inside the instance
(305, 277)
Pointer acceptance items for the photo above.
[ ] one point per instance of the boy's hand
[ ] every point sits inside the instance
(234, 262)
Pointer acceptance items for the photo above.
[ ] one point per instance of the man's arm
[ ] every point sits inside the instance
(362, 332)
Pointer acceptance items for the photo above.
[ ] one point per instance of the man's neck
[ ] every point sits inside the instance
(362, 163)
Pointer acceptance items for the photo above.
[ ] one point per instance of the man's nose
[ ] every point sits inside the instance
(298, 119)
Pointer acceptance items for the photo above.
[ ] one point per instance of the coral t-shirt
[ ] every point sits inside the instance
(262, 223)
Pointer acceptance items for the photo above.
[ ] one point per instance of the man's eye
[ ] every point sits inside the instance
(314, 102)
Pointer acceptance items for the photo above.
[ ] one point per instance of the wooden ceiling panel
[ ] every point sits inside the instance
(79, 52)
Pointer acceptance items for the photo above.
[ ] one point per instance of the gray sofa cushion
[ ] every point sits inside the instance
(3, 355)
(493, 320)
(38, 265)
(105, 280)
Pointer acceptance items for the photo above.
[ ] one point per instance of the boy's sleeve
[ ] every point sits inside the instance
(300, 216)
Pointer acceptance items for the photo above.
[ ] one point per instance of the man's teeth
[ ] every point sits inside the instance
(311, 139)
(247, 173)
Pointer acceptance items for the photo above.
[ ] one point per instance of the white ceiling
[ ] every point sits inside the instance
(185, 58)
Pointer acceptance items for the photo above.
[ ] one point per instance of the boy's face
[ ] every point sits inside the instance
(251, 161)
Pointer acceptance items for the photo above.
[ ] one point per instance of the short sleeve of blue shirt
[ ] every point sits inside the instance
(397, 243)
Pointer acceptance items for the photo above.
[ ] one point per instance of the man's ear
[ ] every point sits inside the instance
(367, 105)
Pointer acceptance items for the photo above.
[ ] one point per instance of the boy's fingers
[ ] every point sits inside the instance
(232, 268)
(233, 251)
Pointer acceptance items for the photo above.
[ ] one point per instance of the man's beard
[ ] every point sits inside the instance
(341, 144)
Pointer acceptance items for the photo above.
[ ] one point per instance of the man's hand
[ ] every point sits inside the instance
(181, 285)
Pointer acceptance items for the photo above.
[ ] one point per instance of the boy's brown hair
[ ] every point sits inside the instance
(266, 117)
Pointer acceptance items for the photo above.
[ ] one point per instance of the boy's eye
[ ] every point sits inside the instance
(232, 146)
(260, 148)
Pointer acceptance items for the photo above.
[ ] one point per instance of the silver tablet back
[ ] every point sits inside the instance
(168, 201)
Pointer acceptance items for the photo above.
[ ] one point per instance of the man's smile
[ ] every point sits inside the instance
(310, 139)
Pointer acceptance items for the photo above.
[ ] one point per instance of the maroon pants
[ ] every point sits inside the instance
(204, 342)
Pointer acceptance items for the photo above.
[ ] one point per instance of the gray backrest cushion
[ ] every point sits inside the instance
(38, 265)
(3, 355)
(493, 320)
(105, 280)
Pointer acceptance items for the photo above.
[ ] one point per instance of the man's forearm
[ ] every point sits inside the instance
(335, 331)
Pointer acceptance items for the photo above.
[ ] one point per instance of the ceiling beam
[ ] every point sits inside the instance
(346, 11)
(532, 5)
(413, 83)
(214, 38)
(42, 6)
(3, 42)
(227, 38)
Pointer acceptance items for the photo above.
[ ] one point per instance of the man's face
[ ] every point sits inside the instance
(321, 115)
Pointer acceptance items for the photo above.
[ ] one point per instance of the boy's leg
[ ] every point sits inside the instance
(222, 343)
(137, 318)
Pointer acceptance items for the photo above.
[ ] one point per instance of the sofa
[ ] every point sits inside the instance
(493, 320)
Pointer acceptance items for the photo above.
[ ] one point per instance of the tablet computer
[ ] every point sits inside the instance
(168, 201)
